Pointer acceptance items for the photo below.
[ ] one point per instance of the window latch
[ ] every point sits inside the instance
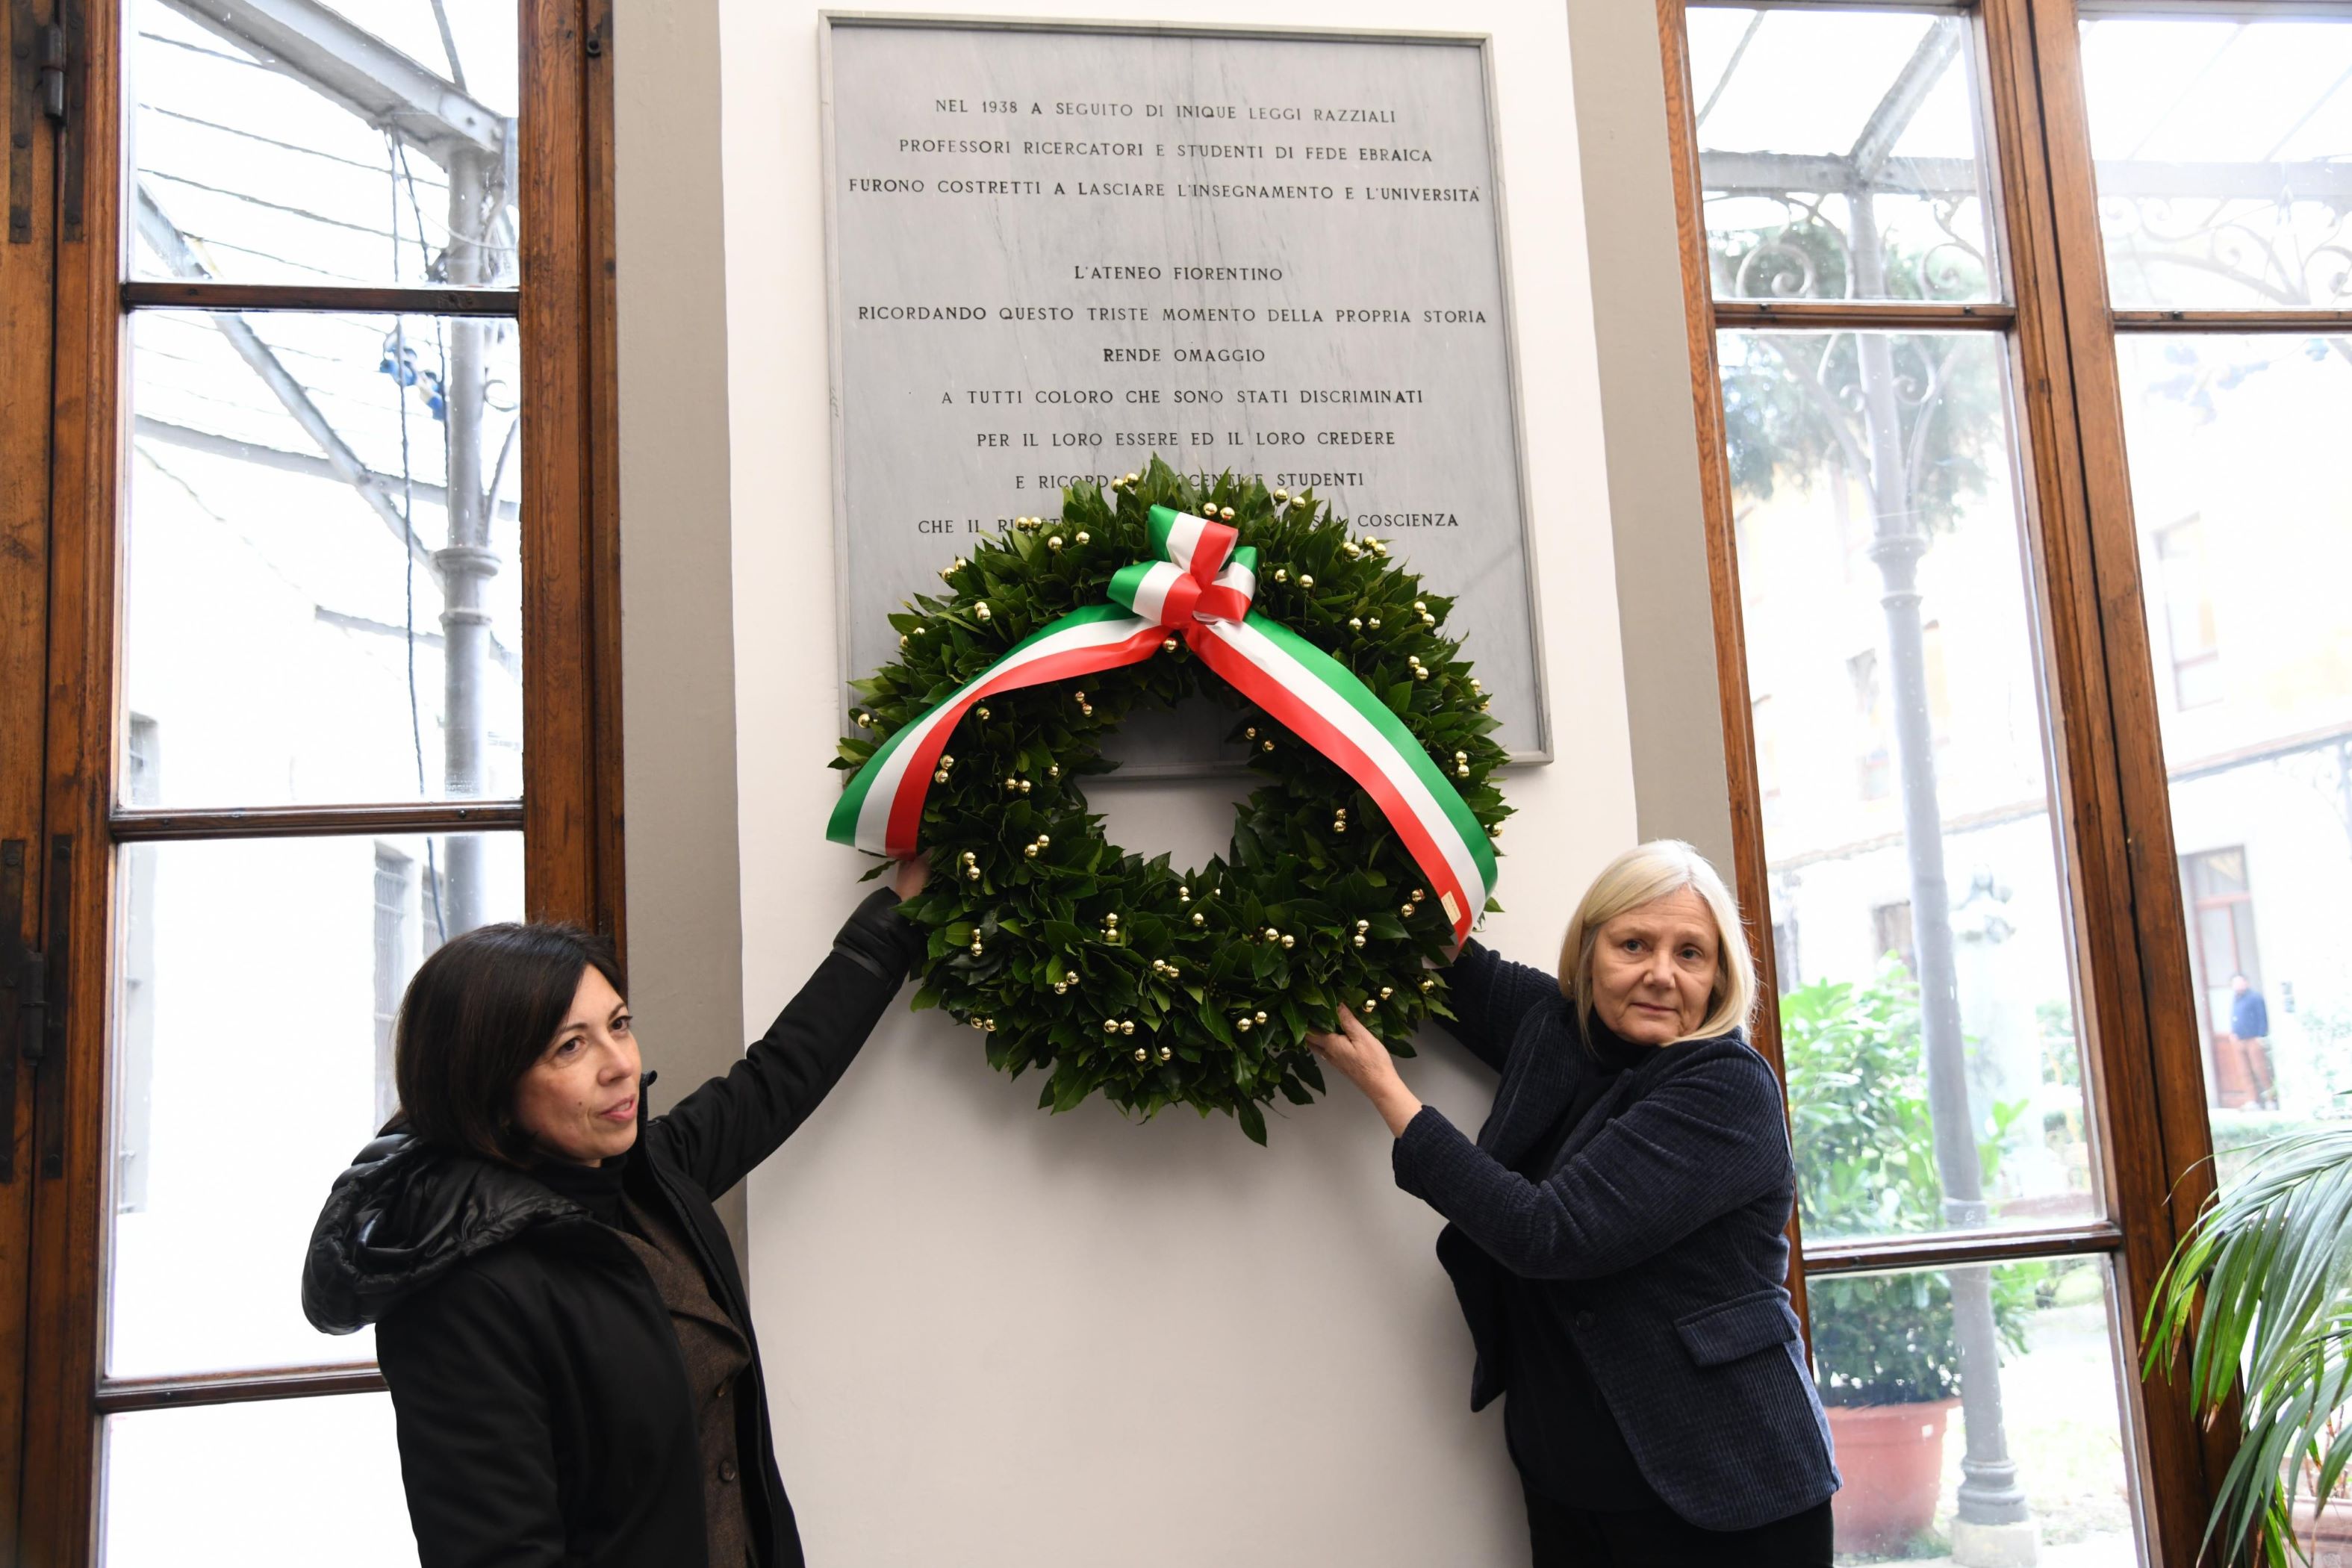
(53, 72)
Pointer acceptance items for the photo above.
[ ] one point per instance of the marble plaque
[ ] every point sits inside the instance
(1055, 250)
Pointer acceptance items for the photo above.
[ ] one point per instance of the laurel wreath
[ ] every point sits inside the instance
(1114, 973)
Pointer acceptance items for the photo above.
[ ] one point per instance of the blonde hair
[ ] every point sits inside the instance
(1642, 874)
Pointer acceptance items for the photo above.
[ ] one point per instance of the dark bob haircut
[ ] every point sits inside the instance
(478, 1013)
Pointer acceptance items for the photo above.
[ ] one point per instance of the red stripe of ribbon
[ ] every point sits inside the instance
(1209, 556)
(906, 804)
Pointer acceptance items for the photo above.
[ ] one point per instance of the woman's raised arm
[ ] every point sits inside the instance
(1488, 995)
(1707, 1140)
(729, 1125)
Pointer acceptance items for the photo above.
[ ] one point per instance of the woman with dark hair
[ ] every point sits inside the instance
(1616, 1232)
(559, 1313)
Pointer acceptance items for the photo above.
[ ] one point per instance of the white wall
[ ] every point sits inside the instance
(677, 698)
(996, 1337)
(1658, 526)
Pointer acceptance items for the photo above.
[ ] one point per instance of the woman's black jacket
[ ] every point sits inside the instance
(543, 1412)
(1660, 1224)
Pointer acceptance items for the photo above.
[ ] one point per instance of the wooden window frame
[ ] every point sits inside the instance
(570, 812)
(2140, 1036)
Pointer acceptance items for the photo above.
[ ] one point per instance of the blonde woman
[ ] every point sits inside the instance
(1616, 1232)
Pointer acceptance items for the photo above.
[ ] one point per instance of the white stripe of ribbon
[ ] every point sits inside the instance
(1183, 539)
(1151, 592)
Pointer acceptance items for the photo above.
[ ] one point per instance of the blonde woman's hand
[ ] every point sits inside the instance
(1368, 1064)
(909, 876)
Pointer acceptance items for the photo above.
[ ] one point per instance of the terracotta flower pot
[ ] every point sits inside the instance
(1892, 1457)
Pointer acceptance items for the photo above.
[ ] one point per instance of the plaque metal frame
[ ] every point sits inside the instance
(1542, 751)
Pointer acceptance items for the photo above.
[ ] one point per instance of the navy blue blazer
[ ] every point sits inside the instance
(1662, 1218)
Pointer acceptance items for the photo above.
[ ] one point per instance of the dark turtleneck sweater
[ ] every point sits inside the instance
(597, 1188)
(710, 1342)
(1558, 1427)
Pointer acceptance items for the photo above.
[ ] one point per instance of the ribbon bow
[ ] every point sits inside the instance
(1199, 575)
(1199, 588)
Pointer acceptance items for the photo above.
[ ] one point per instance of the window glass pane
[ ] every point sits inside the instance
(2228, 437)
(305, 145)
(1935, 1079)
(1838, 155)
(1976, 1411)
(255, 1060)
(2220, 143)
(283, 1483)
(297, 574)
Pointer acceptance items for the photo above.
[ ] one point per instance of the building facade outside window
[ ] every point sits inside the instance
(2188, 621)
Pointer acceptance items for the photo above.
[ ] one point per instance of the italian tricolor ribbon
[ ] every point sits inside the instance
(1199, 588)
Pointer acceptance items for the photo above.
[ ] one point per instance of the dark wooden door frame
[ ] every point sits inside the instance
(27, 258)
(571, 811)
(87, 456)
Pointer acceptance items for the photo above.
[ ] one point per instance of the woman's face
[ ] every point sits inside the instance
(1653, 969)
(579, 1101)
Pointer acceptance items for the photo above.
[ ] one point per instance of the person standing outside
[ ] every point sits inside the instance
(2249, 1021)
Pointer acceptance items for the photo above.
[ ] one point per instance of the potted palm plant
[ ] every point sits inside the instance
(2257, 1299)
(1884, 1348)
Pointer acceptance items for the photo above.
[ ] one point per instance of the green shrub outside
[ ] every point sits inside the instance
(1865, 1142)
